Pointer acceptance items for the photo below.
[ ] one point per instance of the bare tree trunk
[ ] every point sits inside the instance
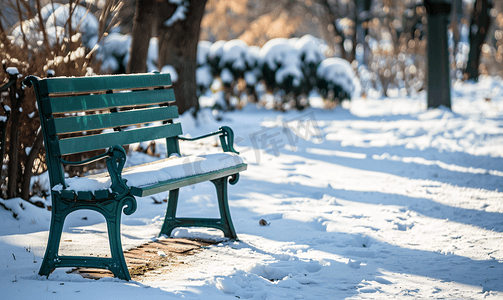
(481, 20)
(362, 18)
(142, 31)
(439, 83)
(2, 31)
(356, 23)
(178, 48)
(328, 21)
(20, 16)
(367, 5)
(42, 26)
(71, 9)
(456, 16)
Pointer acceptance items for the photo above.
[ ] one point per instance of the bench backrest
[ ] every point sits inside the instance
(80, 114)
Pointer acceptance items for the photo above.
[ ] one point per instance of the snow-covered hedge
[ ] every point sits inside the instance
(283, 67)
(286, 68)
(81, 21)
(311, 54)
(280, 65)
(30, 53)
(336, 79)
(56, 23)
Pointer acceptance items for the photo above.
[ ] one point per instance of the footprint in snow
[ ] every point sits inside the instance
(299, 175)
(355, 264)
(403, 226)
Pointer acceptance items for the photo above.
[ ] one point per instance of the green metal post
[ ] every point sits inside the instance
(170, 222)
(439, 85)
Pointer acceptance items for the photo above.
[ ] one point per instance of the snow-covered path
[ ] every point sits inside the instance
(378, 199)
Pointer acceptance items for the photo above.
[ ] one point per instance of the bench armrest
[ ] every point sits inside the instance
(115, 164)
(226, 138)
(87, 161)
(115, 160)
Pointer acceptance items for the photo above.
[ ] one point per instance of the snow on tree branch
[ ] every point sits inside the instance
(180, 12)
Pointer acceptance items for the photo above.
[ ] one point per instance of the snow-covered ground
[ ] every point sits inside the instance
(379, 199)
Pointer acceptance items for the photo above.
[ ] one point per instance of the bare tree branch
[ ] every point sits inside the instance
(42, 25)
(28, 171)
(20, 15)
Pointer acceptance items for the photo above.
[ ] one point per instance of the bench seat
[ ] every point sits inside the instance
(162, 175)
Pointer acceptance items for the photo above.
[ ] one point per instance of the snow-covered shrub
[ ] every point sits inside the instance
(336, 79)
(226, 77)
(281, 66)
(289, 69)
(234, 58)
(204, 77)
(81, 21)
(311, 55)
(242, 63)
(253, 75)
(214, 56)
(63, 53)
(47, 11)
(203, 49)
(152, 54)
(234, 64)
(24, 147)
(112, 53)
(29, 32)
(271, 57)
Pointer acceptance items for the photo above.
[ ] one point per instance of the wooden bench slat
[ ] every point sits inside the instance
(104, 140)
(104, 101)
(65, 85)
(111, 120)
(181, 182)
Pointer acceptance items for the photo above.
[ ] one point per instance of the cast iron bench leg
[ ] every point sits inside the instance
(111, 211)
(51, 253)
(113, 217)
(224, 223)
(225, 214)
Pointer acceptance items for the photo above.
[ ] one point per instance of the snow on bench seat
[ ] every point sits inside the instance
(159, 171)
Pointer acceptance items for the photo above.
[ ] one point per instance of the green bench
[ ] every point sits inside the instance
(81, 114)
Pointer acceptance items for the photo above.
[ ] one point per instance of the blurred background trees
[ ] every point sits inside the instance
(384, 40)
(479, 29)
(278, 53)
